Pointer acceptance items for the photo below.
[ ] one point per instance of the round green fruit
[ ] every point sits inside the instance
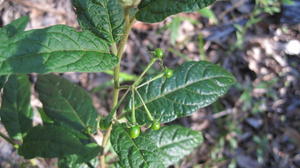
(168, 73)
(159, 53)
(134, 131)
(155, 125)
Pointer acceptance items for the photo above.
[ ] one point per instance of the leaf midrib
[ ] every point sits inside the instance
(69, 104)
(176, 142)
(109, 18)
(181, 87)
(55, 52)
(135, 145)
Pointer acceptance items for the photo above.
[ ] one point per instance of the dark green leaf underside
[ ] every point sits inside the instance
(55, 49)
(157, 10)
(51, 141)
(134, 153)
(174, 142)
(194, 85)
(66, 103)
(15, 112)
(105, 18)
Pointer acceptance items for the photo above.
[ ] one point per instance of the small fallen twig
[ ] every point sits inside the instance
(236, 5)
(219, 114)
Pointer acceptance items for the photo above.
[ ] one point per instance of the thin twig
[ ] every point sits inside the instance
(218, 115)
(236, 5)
(7, 139)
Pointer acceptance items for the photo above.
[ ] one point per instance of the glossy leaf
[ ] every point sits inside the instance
(174, 142)
(194, 85)
(66, 103)
(134, 153)
(15, 27)
(15, 112)
(105, 18)
(55, 49)
(157, 10)
(51, 141)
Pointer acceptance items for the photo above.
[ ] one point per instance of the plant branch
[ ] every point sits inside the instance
(7, 139)
(114, 110)
(119, 52)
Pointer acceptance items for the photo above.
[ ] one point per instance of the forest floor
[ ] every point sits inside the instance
(255, 125)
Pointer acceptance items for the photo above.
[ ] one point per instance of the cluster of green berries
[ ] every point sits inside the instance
(159, 53)
(135, 130)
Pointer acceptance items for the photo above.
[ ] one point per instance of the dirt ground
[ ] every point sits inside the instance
(255, 125)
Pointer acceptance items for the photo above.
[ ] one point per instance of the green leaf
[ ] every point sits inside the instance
(44, 117)
(51, 141)
(194, 85)
(15, 27)
(157, 10)
(66, 103)
(134, 153)
(88, 155)
(174, 142)
(105, 18)
(8, 31)
(55, 49)
(15, 109)
(71, 162)
(91, 151)
(118, 165)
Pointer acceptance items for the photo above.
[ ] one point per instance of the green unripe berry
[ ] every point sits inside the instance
(168, 73)
(155, 125)
(103, 125)
(16, 146)
(159, 53)
(134, 131)
(88, 130)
